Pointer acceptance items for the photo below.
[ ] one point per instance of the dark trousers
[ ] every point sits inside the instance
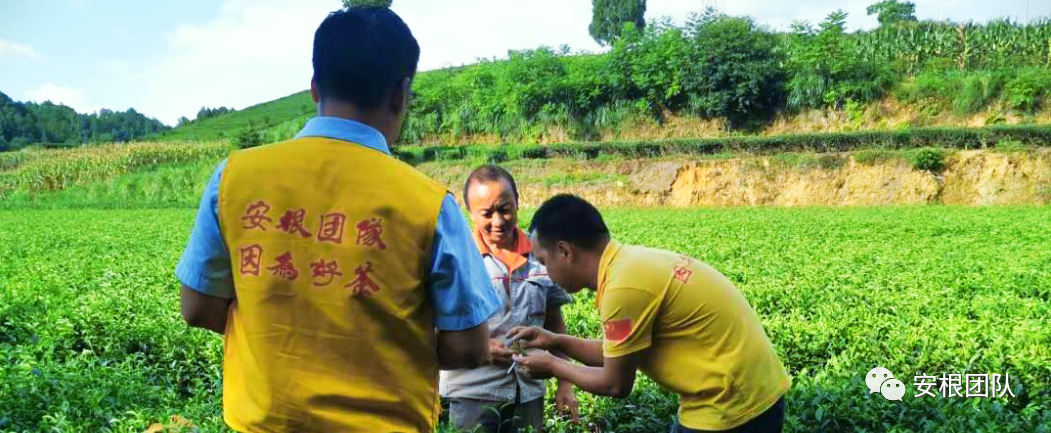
(770, 421)
(483, 416)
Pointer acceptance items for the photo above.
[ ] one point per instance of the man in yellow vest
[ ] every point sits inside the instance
(678, 320)
(341, 278)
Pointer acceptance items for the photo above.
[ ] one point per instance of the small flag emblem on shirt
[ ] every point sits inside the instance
(617, 330)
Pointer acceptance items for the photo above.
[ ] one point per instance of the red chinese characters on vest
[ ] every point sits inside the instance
(363, 285)
(284, 267)
(251, 256)
(323, 272)
(332, 228)
(369, 231)
(292, 222)
(255, 215)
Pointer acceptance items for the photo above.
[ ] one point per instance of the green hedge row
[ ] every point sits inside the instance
(951, 138)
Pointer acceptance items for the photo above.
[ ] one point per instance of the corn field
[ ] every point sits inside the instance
(37, 171)
(911, 47)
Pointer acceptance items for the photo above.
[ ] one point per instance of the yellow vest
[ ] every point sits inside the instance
(332, 328)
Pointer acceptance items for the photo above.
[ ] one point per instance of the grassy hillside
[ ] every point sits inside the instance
(276, 120)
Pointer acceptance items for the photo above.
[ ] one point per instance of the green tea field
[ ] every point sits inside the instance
(91, 338)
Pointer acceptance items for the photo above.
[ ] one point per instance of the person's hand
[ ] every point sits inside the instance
(498, 353)
(533, 337)
(566, 403)
(536, 364)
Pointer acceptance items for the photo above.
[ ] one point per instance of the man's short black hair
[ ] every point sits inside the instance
(566, 217)
(361, 53)
(489, 173)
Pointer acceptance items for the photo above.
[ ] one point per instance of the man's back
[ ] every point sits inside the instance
(331, 326)
(704, 341)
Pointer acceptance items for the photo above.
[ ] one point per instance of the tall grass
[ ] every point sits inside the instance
(53, 170)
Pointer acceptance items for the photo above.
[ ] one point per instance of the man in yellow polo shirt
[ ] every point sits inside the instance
(678, 320)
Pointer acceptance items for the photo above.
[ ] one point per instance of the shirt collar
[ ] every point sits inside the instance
(612, 248)
(345, 130)
(522, 248)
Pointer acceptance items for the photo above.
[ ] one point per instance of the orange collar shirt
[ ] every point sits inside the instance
(527, 293)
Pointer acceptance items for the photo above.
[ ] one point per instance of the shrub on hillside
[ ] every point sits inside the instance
(929, 159)
(1026, 91)
(249, 137)
(734, 72)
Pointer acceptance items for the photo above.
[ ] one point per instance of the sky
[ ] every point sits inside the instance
(167, 59)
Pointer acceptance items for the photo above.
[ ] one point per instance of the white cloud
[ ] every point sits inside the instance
(12, 49)
(451, 36)
(68, 96)
(254, 52)
(260, 50)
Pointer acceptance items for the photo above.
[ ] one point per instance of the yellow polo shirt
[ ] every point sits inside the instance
(703, 341)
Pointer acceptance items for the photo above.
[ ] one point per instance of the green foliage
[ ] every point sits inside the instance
(22, 124)
(206, 112)
(716, 66)
(890, 12)
(34, 172)
(522, 98)
(713, 66)
(650, 62)
(930, 46)
(874, 156)
(168, 185)
(372, 3)
(1026, 91)
(276, 120)
(91, 338)
(110, 358)
(949, 138)
(1023, 89)
(250, 137)
(929, 159)
(825, 70)
(608, 18)
(1012, 146)
(736, 74)
(972, 97)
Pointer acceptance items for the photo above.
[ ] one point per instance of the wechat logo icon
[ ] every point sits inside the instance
(881, 380)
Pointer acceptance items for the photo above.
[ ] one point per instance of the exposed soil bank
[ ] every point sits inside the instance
(980, 177)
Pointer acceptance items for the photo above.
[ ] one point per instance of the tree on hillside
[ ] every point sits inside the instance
(609, 16)
(890, 12)
(733, 70)
(206, 112)
(825, 71)
(49, 123)
(375, 3)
